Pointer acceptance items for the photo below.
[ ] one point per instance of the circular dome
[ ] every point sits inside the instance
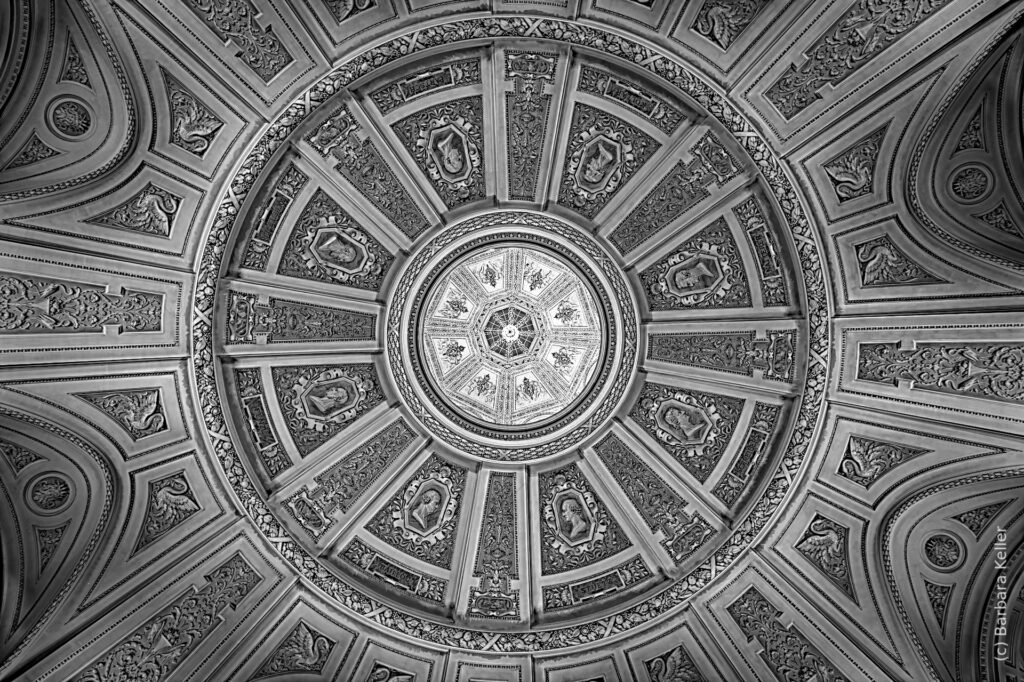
(510, 335)
(509, 365)
(534, 317)
(511, 340)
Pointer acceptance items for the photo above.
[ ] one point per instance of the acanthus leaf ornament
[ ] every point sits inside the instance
(739, 353)
(442, 633)
(973, 134)
(722, 21)
(986, 370)
(497, 553)
(979, 519)
(256, 420)
(863, 31)
(155, 649)
(33, 151)
(269, 215)
(235, 20)
(36, 304)
(683, 188)
(18, 457)
(48, 540)
(453, 74)
(786, 650)
(661, 507)
(1000, 219)
(393, 574)
(666, 116)
(341, 138)
(938, 599)
(281, 321)
(74, 70)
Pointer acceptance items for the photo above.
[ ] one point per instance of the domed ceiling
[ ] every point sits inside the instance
(541, 341)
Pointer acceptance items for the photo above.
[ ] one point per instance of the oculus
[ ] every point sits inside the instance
(511, 335)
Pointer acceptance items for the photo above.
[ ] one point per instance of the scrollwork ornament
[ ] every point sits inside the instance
(993, 371)
(722, 21)
(29, 304)
(603, 153)
(235, 20)
(328, 246)
(786, 650)
(443, 476)
(859, 35)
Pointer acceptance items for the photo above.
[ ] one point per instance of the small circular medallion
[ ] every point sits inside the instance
(70, 118)
(970, 184)
(944, 551)
(49, 493)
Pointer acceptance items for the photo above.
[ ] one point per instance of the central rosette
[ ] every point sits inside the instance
(511, 335)
(510, 332)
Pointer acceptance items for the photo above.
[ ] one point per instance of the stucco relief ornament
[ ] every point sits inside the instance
(331, 396)
(408, 624)
(342, 250)
(683, 421)
(451, 155)
(428, 507)
(596, 167)
(693, 277)
(574, 518)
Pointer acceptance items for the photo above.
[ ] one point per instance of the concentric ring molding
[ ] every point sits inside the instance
(672, 73)
(624, 335)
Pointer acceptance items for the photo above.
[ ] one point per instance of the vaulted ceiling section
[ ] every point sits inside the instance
(567, 340)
